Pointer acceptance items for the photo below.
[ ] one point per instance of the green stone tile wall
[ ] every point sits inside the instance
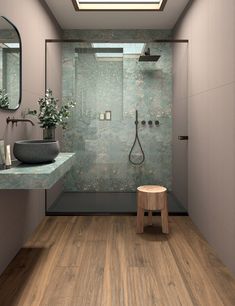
(121, 86)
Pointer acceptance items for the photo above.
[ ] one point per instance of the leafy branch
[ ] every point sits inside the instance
(4, 100)
(50, 114)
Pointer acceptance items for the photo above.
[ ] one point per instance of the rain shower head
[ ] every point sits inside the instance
(148, 58)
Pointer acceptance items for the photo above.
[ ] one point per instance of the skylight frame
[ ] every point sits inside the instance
(119, 5)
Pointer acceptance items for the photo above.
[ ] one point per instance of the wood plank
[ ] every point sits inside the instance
(73, 248)
(166, 275)
(133, 243)
(141, 288)
(114, 281)
(60, 286)
(84, 229)
(196, 280)
(40, 273)
(15, 280)
(98, 230)
(89, 280)
(217, 273)
(45, 234)
(66, 219)
(37, 285)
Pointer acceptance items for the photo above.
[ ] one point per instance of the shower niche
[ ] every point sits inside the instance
(117, 78)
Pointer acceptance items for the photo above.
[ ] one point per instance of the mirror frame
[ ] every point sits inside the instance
(20, 72)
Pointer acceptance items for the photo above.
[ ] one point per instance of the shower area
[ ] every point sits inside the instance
(123, 127)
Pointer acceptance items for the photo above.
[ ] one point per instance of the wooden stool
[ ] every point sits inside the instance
(152, 197)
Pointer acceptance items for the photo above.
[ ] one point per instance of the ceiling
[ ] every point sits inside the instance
(68, 18)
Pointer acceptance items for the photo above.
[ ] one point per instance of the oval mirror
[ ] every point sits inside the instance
(10, 65)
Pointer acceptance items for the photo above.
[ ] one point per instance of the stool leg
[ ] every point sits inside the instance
(164, 217)
(140, 220)
(150, 218)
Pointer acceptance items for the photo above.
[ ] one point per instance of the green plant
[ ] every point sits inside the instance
(50, 114)
(4, 100)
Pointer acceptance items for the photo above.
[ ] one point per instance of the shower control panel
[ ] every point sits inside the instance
(150, 123)
(107, 115)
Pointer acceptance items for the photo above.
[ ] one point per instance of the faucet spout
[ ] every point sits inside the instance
(15, 120)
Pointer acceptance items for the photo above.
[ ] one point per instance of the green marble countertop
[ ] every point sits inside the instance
(42, 176)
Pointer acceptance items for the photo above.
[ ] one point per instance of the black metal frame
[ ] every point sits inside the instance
(20, 85)
(110, 214)
(105, 41)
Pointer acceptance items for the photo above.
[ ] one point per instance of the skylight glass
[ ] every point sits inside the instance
(128, 49)
(119, 5)
(119, 1)
(112, 51)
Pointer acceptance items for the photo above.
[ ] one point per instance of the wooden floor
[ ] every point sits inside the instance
(97, 261)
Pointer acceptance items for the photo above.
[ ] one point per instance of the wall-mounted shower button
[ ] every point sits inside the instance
(108, 115)
(143, 122)
(157, 123)
(150, 122)
(101, 116)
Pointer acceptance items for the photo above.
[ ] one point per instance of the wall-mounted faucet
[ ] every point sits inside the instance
(15, 120)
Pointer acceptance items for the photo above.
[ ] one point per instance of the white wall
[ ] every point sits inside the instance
(210, 27)
(21, 211)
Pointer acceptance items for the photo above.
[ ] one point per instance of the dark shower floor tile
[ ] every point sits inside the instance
(104, 202)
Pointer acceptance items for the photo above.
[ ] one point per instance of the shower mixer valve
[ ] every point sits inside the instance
(157, 123)
(150, 122)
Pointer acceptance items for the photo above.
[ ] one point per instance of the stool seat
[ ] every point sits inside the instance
(151, 188)
(150, 198)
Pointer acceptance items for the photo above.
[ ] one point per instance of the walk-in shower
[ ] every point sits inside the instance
(110, 81)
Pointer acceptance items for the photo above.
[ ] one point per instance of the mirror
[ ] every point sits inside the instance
(10, 65)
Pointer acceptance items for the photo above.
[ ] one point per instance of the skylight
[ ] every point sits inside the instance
(112, 51)
(128, 49)
(119, 5)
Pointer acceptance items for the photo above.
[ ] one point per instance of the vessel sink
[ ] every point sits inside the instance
(36, 151)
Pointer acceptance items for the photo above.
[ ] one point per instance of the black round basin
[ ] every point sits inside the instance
(36, 151)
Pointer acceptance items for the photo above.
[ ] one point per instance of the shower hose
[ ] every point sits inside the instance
(136, 141)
